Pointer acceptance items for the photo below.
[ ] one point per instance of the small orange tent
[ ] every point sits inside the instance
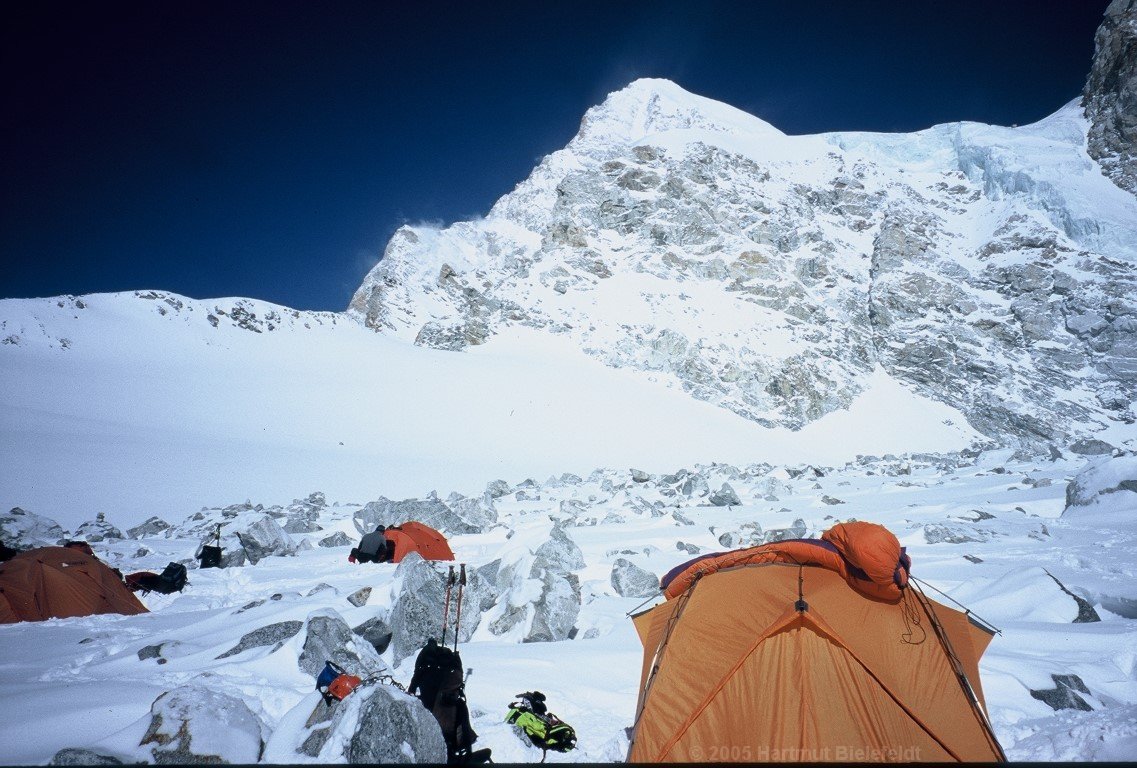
(61, 582)
(416, 537)
(764, 657)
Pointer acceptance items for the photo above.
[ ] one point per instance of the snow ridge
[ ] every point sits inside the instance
(770, 275)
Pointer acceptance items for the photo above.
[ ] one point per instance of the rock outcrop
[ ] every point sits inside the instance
(1110, 96)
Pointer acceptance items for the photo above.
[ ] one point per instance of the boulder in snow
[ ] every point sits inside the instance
(273, 634)
(556, 610)
(303, 515)
(359, 597)
(337, 539)
(375, 631)
(629, 580)
(376, 724)
(1064, 694)
(954, 533)
(329, 638)
(430, 511)
(478, 513)
(497, 489)
(77, 756)
(265, 537)
(20, 529)
(418, 606)
(421, 600)
(1105, 492)
(152, 526)
(797, 530)
(1022, 594)
(97, 530)
(560, 553)
(725, 497)
(198, 724)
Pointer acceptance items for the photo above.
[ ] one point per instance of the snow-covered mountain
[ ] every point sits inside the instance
(682, 273)
(991, 268)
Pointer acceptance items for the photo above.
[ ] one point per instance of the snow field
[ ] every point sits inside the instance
(593, 683)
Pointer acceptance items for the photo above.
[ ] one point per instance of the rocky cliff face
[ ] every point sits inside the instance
(991, 268)
(1110, 96)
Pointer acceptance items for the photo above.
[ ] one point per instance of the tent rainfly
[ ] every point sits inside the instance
(813, 650)
(59, 583)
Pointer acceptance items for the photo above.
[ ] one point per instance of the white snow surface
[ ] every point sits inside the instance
(81, 682)
(136, 405)
(139, 406)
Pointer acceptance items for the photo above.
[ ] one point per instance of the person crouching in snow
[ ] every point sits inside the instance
(374, 547)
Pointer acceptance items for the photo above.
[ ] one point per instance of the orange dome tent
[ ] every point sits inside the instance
(61, 582)
(809, 650)
(416, 537)
(391, 544)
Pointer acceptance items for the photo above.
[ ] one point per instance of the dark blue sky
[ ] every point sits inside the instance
(269, 149)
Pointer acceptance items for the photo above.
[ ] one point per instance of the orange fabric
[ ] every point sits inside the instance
(416, 537)
(869, 547)
(745, 677)
(775, 552)
(343, 685)
(60, 582)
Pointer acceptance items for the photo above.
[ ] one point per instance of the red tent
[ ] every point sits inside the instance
(60, 582)
(416, 537)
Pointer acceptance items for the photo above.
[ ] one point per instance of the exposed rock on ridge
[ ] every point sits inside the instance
(1110, 96)
(991, 268)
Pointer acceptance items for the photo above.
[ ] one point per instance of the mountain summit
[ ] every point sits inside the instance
(990, 268)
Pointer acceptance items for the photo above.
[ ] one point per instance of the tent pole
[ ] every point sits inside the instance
(957, 667)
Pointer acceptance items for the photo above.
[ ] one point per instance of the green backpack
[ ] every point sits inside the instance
(543, 728)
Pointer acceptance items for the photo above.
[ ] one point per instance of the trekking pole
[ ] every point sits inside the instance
(242, 543)
(446, 608)
(458, 617)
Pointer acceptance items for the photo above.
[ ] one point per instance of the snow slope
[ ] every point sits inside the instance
(986, 530)
(136, 404)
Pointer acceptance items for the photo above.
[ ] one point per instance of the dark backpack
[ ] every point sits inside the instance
(210, 556)
(173, 579)
(437, 669)
(438, 679)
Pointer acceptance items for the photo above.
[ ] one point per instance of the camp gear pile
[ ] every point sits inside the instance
(440, 683)
(172, 579)
(334, 683)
